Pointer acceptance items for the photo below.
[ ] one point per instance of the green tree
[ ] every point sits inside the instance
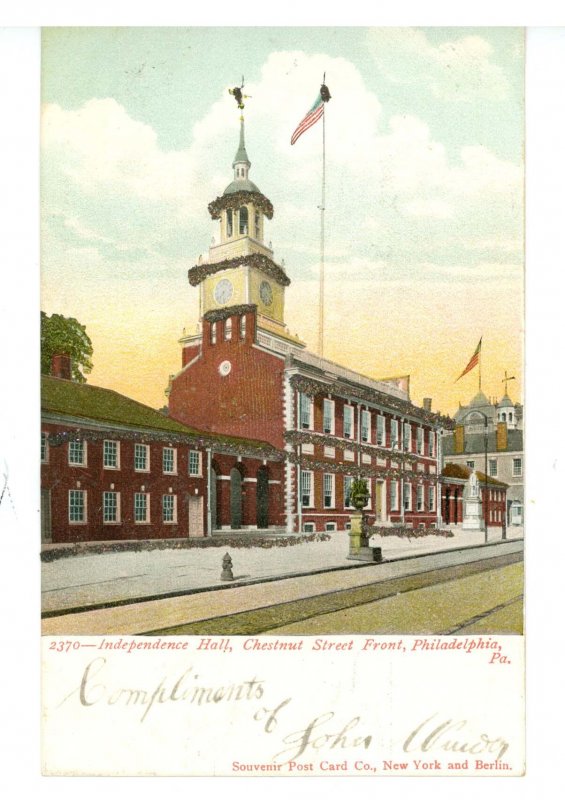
(65, 335)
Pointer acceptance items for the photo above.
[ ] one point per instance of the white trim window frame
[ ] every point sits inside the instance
(470, 464)
(77, 450)
(329, 490)
(195, 463)
(141, 508)
(431, 498)
(347, 483)
(307, 488)
(169, 509)
(348, 422)
(169, 459)
(328, 421)
(111, 454)
(407, 437)
(516, 467)
(420, 498)
(492, 468)
(111, 508)
(393, 495)
(407, 496)
(44, 447)
(420, 441)
(305, 411)
(366, 426)
(394, 436)
(141, 457)
(381, 430)
(78, 506)
(431, 444)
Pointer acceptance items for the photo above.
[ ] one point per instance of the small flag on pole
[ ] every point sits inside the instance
(474, 360)
(315, 113)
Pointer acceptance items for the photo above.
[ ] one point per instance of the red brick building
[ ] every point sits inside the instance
(114, 469)
(244, 374)
(492, 494)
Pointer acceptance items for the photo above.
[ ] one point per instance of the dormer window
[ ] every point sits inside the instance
(243, 220)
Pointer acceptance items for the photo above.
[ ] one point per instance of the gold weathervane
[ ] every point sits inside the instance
(238, 94)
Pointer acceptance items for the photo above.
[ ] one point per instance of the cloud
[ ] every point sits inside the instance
(458, 70)
(394, 195)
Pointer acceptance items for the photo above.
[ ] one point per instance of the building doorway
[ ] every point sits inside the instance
(263, 497)
(446, 508)
(235, 499)
(195, 515)
(379, 501)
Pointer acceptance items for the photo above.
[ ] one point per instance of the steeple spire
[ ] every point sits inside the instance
(241, 162)
(241, 156)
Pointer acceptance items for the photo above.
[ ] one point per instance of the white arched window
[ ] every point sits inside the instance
(227, 329)
(242, 326)
(213, 333)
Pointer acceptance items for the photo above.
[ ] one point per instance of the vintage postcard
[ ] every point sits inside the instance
(282, 412)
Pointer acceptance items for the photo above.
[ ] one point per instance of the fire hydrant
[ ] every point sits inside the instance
(227, 572)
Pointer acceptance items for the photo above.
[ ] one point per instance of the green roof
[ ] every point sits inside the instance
(95, 404)
(459, 471)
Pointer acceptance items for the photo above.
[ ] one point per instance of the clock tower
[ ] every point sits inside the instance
(240, 270)
(232, 375)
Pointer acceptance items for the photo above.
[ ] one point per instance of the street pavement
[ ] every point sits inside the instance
(145, 616)
(92, 580)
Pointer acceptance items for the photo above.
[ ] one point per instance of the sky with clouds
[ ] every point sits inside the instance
(424, 220)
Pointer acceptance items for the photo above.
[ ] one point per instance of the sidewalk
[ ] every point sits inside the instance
(169, 612)
(92, 580)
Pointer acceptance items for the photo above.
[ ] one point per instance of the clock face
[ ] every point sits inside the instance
(266, 293)
(223, 291)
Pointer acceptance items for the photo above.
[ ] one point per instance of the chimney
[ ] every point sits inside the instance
(427, 403)
(61, 366)
(459, 439)
(501, 436)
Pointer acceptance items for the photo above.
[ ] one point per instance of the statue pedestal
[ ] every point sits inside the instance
(472, 505)
(473, 517)
(359, 549)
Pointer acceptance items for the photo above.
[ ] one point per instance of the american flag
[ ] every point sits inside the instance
(474, 359)
(315, 113)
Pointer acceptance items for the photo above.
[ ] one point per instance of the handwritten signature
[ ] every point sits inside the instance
(432, 736)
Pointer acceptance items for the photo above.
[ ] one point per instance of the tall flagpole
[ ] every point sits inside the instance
(322, 235)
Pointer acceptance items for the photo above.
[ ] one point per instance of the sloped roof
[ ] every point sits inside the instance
(463, 473)
(95, 404)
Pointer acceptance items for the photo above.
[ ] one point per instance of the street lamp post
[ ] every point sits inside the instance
(485, 504)
(485, 499)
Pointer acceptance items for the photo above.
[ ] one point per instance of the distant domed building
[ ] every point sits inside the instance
(465, 446)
